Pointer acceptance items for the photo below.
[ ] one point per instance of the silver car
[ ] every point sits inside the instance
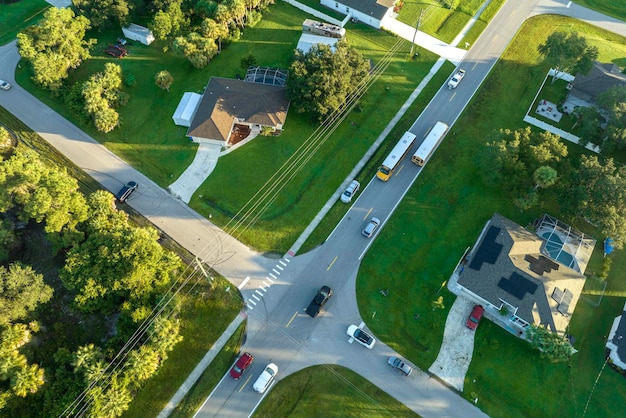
(400, 366)
(371, 227)
(4, 85)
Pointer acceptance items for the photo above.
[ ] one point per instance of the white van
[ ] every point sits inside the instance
(266, 377)
(350, 191)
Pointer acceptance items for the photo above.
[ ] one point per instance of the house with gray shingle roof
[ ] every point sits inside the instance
(512, 274)
(226, 103)
(616, 343)
(370, 12)
(603, 76)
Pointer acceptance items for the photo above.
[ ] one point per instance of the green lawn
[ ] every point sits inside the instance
(443, 214)
(16, 16)
(329, 391)
(613, 8)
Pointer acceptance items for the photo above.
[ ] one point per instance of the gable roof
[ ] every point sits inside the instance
(509, 265)
(602, 77)
(374, 8)
(225, 100)
(616, 342)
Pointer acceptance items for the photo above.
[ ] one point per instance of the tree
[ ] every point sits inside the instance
(21, 291)
(24, 379)
(55, 45)
(104, 13)
(597, 194)
(43, 193)
(554, 347)
(118, 265)
(164, 80)
(613, 104)
(101, 94)
(568, 52)
(6, 144)
(544, 176)
(196, 48)
(321, 80)
(247, 61)
(214, 30)
(169, 22)
(589, 120)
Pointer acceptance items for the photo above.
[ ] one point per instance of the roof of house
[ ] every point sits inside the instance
(617, 340)
(508, 265)
(374, 8)
(225, 100)
(602, 77)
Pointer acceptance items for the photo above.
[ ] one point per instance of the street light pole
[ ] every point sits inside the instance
(417, 26)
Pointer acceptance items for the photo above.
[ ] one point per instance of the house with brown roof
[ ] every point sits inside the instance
(524, 277)
(371, 12)
(229, 107)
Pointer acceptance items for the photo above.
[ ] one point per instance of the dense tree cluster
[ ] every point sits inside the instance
(521, 162)
(113, 270)
(104, 14)
(55, 45)
(605, 123)
(321, 80)
(553, 347)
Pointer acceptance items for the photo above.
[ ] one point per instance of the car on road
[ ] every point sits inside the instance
(126, 190)
(398, 365)
(320, 299)
(474, 317)
(361, 336)
(241, 365)
(353, 187)
(4, 85)
(266, 377)
(456, 79)
(371, 227)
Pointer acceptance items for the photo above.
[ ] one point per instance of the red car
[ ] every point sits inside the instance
(474, 318)
(242, 364)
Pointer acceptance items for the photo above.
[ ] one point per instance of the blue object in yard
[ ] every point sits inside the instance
(608, 246)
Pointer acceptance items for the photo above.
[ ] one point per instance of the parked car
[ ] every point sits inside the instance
(241, 365)
(353, 187)
(125, 192)
(320, 299)
(361, 336)
(474, 317)
(4, 85)
(456, 79)
(371, 227)
(400, 366)
(266, 377)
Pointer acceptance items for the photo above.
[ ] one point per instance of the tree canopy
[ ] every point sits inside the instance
(55, 45)
(102, 93)
(553, 347)
(568, 52)
(597, 194)
(321, 80)
(21, 291)
(104, 13)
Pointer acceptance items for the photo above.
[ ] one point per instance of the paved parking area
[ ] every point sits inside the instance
(455, 354)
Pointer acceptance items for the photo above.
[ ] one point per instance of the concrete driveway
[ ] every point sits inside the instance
(455, 354)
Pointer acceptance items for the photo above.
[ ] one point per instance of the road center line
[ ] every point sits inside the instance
(368, 213)
(245, 383)
(332, 262)
(291, 320)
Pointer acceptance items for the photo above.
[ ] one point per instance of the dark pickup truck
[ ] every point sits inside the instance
(318, 301)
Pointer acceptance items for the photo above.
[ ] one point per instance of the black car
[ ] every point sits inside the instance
(318, 301)
(126, 191)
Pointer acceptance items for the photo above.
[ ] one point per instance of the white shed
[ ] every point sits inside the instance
(139, 34)
(186, 109)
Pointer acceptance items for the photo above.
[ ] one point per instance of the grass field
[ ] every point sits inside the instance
(613, 8)
(16, 16)
(445, 211)
(329, 391)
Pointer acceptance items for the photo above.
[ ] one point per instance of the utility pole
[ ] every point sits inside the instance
(417, 26)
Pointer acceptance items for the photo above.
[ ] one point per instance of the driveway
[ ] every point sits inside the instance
(203, 164)
(455, 354)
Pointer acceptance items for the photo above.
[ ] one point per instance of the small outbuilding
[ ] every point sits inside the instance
(186, 109)
(139, 34)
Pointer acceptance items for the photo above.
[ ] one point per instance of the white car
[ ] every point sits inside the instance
(371, 227)
(361, 336)
(266, 377)
(456, 79)
(353, 187)
(4, 85)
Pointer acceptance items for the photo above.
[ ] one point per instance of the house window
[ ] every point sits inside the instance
(347, 9)
(336, 5)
